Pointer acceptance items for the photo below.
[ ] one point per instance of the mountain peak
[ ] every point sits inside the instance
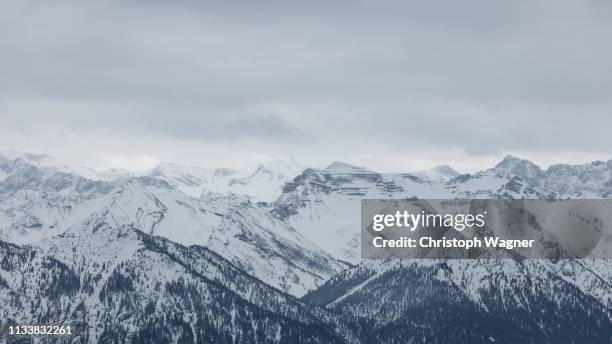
(511, 160)
(342, 167)
(521, 167)
(439, 174)
(446, 169)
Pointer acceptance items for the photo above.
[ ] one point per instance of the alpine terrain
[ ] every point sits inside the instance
(184, 254)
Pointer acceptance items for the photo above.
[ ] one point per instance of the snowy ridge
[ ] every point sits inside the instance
(264, 184)
(322, 204)
(36, 207)
(46, 161)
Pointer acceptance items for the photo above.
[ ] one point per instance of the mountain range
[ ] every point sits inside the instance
(188, 254)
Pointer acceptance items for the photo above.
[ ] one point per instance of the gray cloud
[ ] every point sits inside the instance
(314, 79)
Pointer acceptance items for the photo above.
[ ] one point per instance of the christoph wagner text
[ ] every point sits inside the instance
(429, 242)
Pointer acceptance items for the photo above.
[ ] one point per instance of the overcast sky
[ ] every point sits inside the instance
(391, 85)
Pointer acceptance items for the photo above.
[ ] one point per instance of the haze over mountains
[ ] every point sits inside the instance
(216, 255)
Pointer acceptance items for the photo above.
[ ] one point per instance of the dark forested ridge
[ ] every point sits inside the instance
(164, 293)
(440, 302)
(168, 293)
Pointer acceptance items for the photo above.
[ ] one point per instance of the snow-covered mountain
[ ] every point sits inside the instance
(39, 203)
(46, 161)
(591, 180)
(36, 201)
(264, 184)
(322, 204)
(214, 255)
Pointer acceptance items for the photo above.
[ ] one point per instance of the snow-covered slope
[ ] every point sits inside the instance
(36, 201)
(117, 284)
(242, 232)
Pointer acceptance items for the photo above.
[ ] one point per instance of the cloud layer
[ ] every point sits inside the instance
(394, 85)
